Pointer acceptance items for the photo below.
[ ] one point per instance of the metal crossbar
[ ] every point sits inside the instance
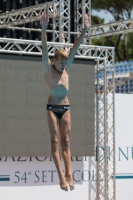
(98, 31)
(25, 15)
(33, 47)
(103, 30)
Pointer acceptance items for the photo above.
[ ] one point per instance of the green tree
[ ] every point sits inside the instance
(120, 10)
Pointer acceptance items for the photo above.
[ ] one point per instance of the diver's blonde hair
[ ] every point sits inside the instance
(61, 53)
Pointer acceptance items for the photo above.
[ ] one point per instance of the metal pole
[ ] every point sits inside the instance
(54, 6)
(105, 132)
(60, 20)
(113, 78)
(68, 39)
(97, 134)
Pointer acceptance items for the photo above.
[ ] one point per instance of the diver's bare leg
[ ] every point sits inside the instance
(53, 128)
(65, 128)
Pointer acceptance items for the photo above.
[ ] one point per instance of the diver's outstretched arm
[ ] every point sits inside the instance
(44, 22)
(79, 40)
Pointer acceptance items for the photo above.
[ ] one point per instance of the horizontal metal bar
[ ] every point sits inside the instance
(113, 28)
(50, 54)
(20, 41)
(93, 30)
(25, 10)
(38, 30)
(110, 33)
(112, 23)
(25, 15)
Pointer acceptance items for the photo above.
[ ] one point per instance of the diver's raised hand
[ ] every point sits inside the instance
(86, 21)
(44, 19)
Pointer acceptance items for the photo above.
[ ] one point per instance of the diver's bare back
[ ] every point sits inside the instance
(57, 84)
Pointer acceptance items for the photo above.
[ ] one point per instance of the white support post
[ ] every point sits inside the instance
(56, 12)
(83, 6)
(61, 22)
(105, 126)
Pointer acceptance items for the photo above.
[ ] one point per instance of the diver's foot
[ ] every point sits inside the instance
(63, 184)
(70, 181)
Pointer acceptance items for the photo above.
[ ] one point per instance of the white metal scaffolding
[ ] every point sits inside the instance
(83, 7)
(25, 15)
(62, 10)
(105, 129)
